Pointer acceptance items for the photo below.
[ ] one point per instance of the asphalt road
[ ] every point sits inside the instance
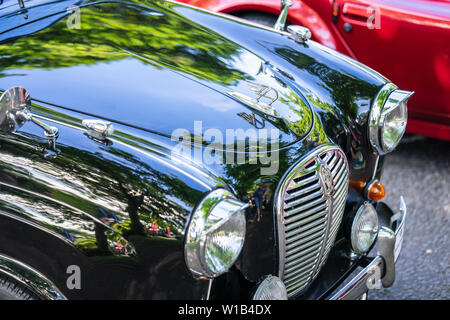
(420, 171)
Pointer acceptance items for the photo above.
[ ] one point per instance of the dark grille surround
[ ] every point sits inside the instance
(309, 205)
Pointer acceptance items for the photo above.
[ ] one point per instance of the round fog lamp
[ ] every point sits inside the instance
(364, 228)
(271, 288)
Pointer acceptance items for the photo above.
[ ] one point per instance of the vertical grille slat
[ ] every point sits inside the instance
(340, 192)
(333, 160)
(334, 167)
(310, 206)
(339, 175)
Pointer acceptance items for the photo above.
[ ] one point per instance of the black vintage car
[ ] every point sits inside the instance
(153, 150)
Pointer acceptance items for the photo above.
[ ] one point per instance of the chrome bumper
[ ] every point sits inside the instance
(381, 271)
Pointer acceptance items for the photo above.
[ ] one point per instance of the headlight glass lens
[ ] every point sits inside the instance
(223, 245)
(271, 288)
(394, 126)
(364, 228)
(215, 235)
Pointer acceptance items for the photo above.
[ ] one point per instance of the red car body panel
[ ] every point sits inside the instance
(407, 41)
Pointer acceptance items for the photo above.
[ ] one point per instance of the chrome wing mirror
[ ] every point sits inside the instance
(281, 21)
(298, 33)
(15, 111)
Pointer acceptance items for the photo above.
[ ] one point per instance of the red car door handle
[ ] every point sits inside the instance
(356, 11)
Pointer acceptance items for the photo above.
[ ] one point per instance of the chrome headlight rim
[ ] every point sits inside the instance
(388, 99)
(198, 230)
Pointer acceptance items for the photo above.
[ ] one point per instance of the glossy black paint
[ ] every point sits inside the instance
(151, 68)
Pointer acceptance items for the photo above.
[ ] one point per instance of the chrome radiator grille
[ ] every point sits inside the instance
(310, 203)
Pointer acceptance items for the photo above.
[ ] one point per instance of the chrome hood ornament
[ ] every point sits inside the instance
(262, 101)
(271, 98)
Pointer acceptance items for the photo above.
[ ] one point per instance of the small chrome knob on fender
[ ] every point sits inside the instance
(98, 129)
(299, 34)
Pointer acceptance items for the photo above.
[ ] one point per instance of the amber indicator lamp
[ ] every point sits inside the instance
(372, 190)
(375, 190)
(358, 184)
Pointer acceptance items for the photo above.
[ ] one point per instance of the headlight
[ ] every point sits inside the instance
(364, 228)
(215, 235)
(271, 288)
(388, 118)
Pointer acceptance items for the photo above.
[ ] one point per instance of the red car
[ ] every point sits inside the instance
(407, 41)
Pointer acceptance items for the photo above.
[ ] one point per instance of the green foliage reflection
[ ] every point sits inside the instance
(115, 31)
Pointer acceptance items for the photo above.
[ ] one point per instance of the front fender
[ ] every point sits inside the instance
(109, 209)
